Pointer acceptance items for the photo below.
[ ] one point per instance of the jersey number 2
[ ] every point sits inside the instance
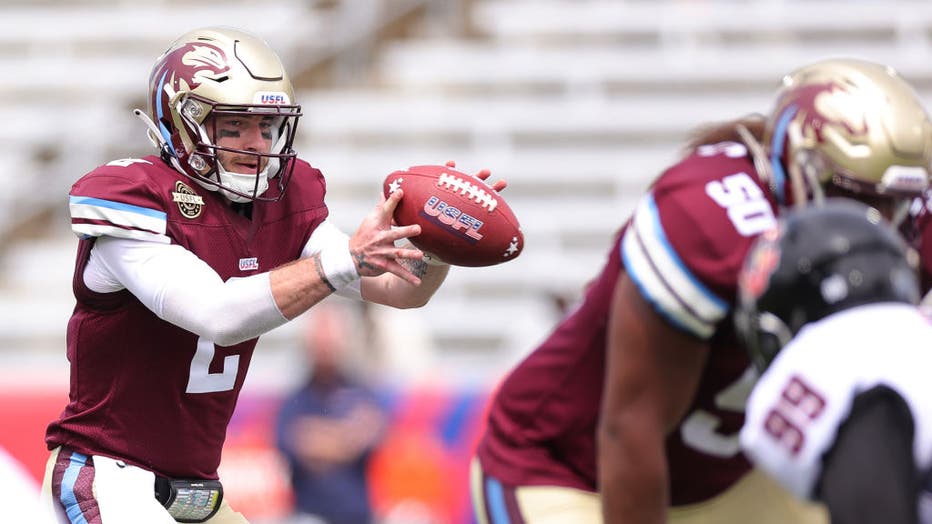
(201, 380)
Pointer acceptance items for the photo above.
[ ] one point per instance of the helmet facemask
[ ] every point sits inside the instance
(763, 335)
(206, 161)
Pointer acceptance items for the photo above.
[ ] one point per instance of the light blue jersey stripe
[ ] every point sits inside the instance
(495, 500)
(663, 279)
(119, 206)
(645, 292)
(675, 258)
(68, 499)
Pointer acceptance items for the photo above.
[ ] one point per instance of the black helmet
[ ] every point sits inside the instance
(818, 261)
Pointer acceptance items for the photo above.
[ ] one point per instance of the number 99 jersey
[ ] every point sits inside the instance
(806, 395)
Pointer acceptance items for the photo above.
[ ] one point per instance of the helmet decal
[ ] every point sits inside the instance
(760, 265)
(815, 115)
(188, 66)
(192, 64)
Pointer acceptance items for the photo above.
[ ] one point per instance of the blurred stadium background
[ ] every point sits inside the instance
(578, 104)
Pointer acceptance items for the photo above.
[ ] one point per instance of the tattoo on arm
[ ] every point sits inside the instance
(416, 267)
(320, 272)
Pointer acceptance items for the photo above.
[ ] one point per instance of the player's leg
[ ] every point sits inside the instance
(755, 498)
(46, 500)
(227, 515)
(555, 505)
(100, 490)
(477, 492)
(497, 503)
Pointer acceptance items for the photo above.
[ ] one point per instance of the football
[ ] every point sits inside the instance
(463, 220)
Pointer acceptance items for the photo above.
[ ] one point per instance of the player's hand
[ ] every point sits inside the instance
(483, 175)
(373, 248)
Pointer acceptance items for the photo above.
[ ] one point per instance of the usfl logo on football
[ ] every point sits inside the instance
(452, 219)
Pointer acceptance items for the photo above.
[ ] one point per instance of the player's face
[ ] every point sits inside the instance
(251, 133)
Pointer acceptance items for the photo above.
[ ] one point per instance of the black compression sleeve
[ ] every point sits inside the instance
(869, 474)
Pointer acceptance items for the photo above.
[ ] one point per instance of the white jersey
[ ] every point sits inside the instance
(798, 405)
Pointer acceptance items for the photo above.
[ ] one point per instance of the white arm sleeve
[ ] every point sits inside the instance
(328, 234)
(182, 289)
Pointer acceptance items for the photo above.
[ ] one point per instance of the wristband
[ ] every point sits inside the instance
(338, 266)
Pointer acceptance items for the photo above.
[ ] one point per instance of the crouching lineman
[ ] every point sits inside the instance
(843, 411)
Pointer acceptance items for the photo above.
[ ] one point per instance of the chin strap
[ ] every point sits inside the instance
(801, 181)
(900, 212)
(159, 142)
(152, 131)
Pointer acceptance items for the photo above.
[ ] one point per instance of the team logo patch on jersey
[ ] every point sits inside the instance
(249, 264)
(189, 203)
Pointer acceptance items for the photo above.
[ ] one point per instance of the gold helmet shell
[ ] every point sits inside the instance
(222, 70)
(851, 123)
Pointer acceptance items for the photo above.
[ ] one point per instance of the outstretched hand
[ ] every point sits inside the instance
(483, 175)
(373, 244)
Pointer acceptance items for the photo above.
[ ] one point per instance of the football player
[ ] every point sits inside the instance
(841, 413)
(654, 327)
(185, 258)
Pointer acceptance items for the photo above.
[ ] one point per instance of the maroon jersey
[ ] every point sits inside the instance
(142, 389)
(683, 248)
(919, 232)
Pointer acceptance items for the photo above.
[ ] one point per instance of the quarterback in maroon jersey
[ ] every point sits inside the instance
(185, 258)
(659, 440)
